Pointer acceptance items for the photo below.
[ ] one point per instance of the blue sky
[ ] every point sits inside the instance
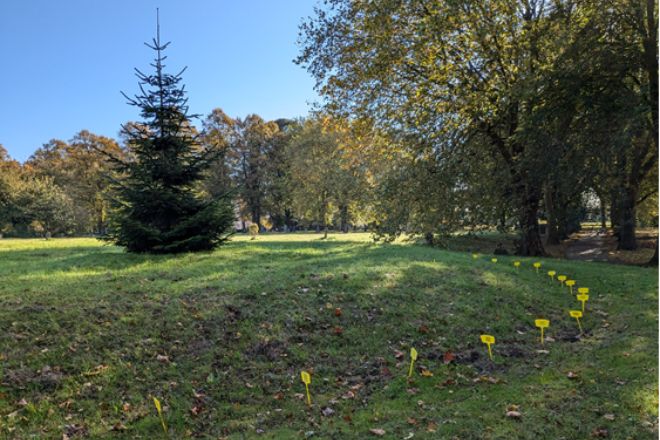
(65, 62)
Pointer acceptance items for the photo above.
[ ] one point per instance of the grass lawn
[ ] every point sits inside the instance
(89, 334)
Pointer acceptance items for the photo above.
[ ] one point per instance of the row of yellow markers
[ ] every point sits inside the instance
(489, 340)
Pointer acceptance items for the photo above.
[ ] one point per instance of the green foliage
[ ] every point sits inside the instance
(158, 206)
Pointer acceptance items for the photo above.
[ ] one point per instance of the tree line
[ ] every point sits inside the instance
(438, 117)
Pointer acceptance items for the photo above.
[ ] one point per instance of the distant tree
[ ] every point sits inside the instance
(158, 207)
(43, 206)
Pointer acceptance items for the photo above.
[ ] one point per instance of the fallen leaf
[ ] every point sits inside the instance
(432, 427)
(279, 395)
(609, 417)
(398, 354)
(600, 432)
(119, 426)
(377, 431)
(448, 357)
(423, 329)
(572, 375)
(338, 312)
(348, 395)
(338, 331)
(411, 421)
(327, 411)
(162, 358)
(195, 410)
(427, 373)
(513, 414)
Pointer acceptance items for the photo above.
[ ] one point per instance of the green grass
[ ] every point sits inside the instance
(89, 334)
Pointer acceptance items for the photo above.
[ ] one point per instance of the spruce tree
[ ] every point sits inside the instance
(160, 207)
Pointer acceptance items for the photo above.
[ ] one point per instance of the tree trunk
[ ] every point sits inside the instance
(343, 218)
(552, 227)
(530, 240)
(256, 216)
(603, 222)
(653, 262)
(428, 237)
(627, 227)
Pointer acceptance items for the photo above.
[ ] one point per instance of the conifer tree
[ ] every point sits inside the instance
(160, 206)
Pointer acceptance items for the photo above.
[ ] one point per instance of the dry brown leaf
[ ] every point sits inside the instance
(427, 373)
(448, 357)
(609, 417)
(572, 375)
(377, 431)
(513, 414)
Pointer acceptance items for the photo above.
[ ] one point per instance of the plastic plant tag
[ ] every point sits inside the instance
(306, 378)
(583, 298)
(577, 314)
(488, 340)
(583, 290)
(561, 278)
(413, 358)
(542, 324)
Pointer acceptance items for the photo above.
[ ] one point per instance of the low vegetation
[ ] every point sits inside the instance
(90, 334)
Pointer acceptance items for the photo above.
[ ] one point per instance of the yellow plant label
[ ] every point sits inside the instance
(304, 375)
(542, 323)
(562, 278)
(576, 314)
(494, 260)
(570, 283)
(413, 358)
(552, 273)
(583, 298)
(516, 264)
(487, 339)
(475, 256)
(583, 290)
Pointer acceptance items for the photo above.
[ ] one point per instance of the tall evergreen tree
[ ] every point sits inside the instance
(160, 207)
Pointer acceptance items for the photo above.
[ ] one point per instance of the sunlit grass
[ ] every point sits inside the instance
(90, 334)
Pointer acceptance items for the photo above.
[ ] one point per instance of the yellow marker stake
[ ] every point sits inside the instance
(561, 278)
(583, 298)
(413, 358)
(494, 260)
(305, 377)
(160, 414)
(537, 265)
(577, 315)
(516, 264)
(475, 256)
(552, 274)
(570, 284)
(542, 323)
(488, 340)
(583, 290)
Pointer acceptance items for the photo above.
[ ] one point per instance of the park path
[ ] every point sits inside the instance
(589, 246)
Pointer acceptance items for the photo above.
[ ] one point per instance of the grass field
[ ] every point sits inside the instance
(90, 334)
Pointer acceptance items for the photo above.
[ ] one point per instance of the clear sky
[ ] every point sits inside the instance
(64, 62)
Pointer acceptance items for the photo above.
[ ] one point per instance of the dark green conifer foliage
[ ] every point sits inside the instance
(160, 207)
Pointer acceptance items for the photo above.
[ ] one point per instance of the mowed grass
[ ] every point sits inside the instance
(90, 334)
